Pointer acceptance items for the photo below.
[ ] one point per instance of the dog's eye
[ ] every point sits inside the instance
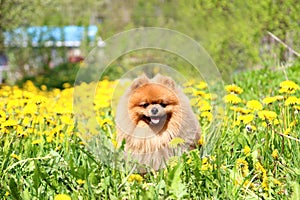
(163, 105)
(144, 105)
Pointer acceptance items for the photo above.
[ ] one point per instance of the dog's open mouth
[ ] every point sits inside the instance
(155, 120)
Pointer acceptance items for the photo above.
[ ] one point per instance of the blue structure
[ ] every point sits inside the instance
(67, 36)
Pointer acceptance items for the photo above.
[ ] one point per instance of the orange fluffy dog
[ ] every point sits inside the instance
(149, 115)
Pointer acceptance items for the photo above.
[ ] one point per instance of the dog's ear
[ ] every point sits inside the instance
(140, 81)
(164, 80)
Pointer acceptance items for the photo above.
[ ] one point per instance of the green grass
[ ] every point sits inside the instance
(45, 169)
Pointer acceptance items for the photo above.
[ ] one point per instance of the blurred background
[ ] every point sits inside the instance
(47, 41)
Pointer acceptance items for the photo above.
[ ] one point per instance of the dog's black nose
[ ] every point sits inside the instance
(154, 111)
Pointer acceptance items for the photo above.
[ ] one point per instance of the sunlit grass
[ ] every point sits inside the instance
(256, 155)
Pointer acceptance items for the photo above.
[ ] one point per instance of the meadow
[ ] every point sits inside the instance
(255, 156)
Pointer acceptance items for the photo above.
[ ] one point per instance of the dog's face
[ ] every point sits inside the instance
(152, 103)
(150, 114)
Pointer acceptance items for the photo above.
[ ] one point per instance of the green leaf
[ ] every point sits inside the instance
(296, 193)
(36, 178)
(176, 187)
(14, 189)
(26, 195)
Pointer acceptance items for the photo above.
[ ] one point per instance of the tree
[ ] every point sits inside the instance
(233, 32)
(17, 13)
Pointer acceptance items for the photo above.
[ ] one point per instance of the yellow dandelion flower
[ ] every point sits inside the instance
(246, 119)
(15, 156)
(231, 98)
(66, 85)
(206, 107)
(249, 184)
(189, 90)
(67, 119)
(201, 141)
(80, 181)
(259, 168)
(279, 97)
(189, 161)
(203, 103)
(58, 148)
(237, 181)
(264, 124)
(276, 122)
(2, 116)
(210, 96)
(269, 100)
(206, 165)
(277, 182)
(202, 85)
(288, 87)
(135, 177)
(105, 121)
(207, 115)
(10, 122)
(275, 154)
(26, 121)
(266, 114)
(233, 89)
(213, 158)
(292, 100)
(265, 183)
(287, 131)
(39, 99)
(30, 109)
(293, 123)
(236, 123)
(38, 141)
(115, 143)
(240, 110)
(198, 93)
(61, 137)
(247, 150)
(254, 105)
(43, 87)
(205, 160)
(62, 197)
(234, 108)
(243, 166)
(176, 141)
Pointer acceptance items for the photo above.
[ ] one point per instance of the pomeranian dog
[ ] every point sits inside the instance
(150, 114)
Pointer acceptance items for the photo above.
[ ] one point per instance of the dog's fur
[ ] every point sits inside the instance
(149, 115)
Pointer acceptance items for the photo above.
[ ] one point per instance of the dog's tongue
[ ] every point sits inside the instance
(155, 120)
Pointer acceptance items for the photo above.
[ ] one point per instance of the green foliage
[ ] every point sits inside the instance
(262, 83)
(32, 167)
(54, 78)
(233, 32)
(16, 13)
